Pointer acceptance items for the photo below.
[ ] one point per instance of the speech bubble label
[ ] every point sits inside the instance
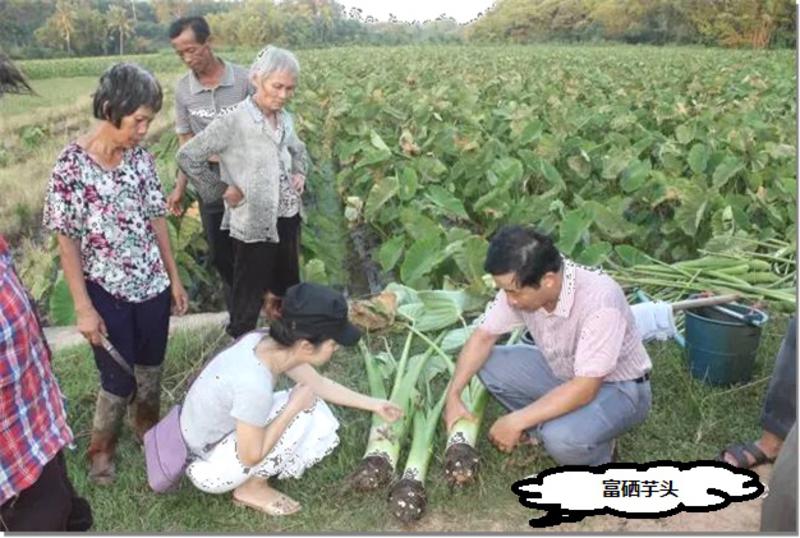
(631, 490)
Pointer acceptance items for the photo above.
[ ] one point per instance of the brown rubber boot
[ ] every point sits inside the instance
(108, 414)
(143, 412)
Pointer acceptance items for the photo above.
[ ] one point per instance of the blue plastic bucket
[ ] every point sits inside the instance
(721, 349)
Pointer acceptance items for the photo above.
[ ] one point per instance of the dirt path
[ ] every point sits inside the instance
(64, 337)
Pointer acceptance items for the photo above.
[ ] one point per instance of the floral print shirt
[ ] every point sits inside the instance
(109, 211)
(288, 199)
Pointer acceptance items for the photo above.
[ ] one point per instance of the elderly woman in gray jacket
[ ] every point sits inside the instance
(263, 163)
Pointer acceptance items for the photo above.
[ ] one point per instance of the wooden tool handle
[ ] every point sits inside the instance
(704, 301)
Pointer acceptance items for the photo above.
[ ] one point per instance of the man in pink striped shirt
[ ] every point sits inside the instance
(586, 380)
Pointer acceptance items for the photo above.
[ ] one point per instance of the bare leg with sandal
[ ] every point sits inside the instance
(256, 493)
(310, 437)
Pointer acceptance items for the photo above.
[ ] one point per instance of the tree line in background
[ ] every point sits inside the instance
(727, 23)
(58, 28)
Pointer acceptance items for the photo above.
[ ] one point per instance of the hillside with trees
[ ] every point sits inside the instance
(725, 23)
(69, 28)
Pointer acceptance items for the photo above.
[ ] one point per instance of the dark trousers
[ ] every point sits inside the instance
(779, 417)
(138, 331)
(220, 247)
(49, 505)
(780, 405)
(779, 511)
(261, 267)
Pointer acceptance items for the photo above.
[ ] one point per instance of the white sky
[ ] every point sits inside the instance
(421, 10)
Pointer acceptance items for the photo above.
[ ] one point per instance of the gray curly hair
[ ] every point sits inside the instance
(271, 59)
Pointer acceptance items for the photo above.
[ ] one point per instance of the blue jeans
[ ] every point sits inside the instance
(519, 375)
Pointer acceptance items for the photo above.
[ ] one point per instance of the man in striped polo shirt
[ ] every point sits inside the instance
(587, 380)
(210, 89)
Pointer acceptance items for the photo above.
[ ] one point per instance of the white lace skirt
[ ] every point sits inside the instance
(310, 437)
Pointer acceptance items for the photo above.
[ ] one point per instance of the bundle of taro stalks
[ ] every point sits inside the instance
(434, 320)
(758, 271)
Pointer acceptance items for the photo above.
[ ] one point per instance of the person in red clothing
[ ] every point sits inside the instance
(36, 494)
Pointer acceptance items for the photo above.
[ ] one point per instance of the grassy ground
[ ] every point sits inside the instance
(50, 93)
(689, 421)
(31, 141)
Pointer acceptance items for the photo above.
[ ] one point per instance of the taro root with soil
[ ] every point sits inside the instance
(461, 458)
(461, 463)
(408, 500)
(373, 472)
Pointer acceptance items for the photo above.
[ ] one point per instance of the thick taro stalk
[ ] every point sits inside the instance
(461, 458)
(377, 467)
(407, 498)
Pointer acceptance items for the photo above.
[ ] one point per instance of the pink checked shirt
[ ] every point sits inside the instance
(590, 333)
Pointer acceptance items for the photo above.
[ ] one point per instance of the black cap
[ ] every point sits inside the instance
(318, 310)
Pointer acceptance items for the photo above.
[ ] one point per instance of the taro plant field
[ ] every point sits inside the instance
(420, 153)
(665, 152)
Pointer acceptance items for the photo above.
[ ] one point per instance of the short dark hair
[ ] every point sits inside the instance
(523, 251)
(11, 80)
(198, 25)
(281, 332)
(123, 88)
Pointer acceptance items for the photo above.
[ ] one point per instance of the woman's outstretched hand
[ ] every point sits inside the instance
(387, 410)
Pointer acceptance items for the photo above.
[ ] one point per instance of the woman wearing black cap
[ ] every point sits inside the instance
(240, 432)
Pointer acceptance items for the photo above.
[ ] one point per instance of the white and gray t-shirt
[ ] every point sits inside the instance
(196, 106)
(235, 385)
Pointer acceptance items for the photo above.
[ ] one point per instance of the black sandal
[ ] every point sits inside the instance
(739, 452)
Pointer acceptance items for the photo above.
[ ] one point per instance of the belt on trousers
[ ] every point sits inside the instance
(645, 377)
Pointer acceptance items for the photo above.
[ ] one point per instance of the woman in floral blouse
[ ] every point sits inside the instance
(263, 162)
(105, 204)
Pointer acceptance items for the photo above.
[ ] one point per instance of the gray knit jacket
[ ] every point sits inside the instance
(251, 157)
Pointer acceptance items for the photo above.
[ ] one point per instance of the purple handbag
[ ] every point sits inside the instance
(165, 453)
